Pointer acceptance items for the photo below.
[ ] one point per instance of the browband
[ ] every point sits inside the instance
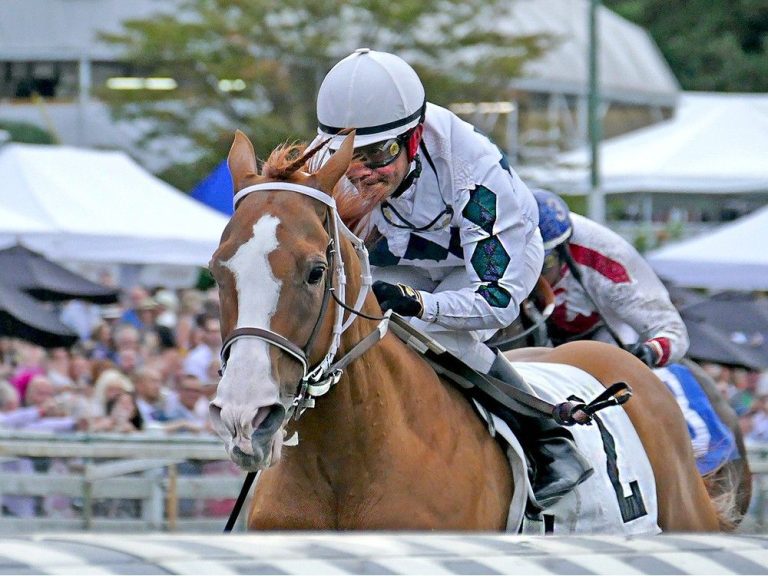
(273, 186)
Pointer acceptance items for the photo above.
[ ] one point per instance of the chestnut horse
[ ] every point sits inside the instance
(388, 444)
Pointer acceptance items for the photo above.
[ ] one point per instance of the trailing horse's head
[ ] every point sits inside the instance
(274, 273)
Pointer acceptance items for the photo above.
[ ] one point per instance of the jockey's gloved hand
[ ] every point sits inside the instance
(645, 353)
(399, 298)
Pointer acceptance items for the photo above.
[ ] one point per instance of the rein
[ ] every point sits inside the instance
(316, 380)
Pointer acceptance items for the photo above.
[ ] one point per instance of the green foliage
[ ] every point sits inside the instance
(205, 280)
(577, 204)
(716, 46)
(26, 133)
(282, 50)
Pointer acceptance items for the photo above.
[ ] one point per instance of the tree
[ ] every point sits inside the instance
(256, 65)
(26, 132)
(716, 46)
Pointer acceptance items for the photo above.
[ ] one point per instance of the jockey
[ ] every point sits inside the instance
(452, 230)
(604, 289)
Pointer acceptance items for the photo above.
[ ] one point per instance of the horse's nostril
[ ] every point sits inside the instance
(214, 413)
(269, 417)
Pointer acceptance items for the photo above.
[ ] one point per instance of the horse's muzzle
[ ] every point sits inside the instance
(265, 434)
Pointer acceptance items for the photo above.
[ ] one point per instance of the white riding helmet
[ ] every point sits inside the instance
(376, 93)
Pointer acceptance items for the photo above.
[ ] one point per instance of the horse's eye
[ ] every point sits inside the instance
(316, 274)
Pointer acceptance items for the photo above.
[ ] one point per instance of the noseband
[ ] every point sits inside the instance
(317, 380)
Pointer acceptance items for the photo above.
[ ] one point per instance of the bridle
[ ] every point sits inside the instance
(317, 380)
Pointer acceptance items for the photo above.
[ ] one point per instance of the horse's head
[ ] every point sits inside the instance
(273, 268)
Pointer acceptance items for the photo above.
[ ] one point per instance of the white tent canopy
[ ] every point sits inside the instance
(715, 144)
(96, 206)
(12, 224)
(732, 257)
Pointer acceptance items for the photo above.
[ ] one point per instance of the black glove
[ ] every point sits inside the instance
(399, 298)
(645, 353)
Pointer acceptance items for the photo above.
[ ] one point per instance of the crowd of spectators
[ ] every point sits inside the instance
(747, 393)
(148, 365)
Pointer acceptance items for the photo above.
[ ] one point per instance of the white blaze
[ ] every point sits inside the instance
(248, 382)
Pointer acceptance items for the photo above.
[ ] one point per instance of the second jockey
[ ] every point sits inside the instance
(604, 289)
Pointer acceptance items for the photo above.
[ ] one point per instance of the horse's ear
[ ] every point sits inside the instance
(242, 160)
(337, 165)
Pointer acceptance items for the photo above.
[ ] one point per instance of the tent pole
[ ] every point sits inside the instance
(596, 205)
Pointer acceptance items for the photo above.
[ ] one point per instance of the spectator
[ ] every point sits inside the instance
(124, 414)
(131, 316)
(755, 424)
(209, 386)
(149, 395)
(111, 314)
(182, 416)
(46, 412)
(81, 316)
(9, 397)
(80, 370)
(31, 363)
(160, 336)
(201, 356)
(127, 336)
(108, 386)
(168, 303)
(101, 345)
(128, 360)
(743, 395)
(190, 307)
(98, 367)
(58, 368)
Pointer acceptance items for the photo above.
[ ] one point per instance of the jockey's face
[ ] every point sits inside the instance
(384, 165)
(551, 272)
(379, 182)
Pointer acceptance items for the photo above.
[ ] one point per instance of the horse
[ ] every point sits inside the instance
(732, 480)
(383, 441)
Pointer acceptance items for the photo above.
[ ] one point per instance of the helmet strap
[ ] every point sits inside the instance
(408, 180)
(413, 141)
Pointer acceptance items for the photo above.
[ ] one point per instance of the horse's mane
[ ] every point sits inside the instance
(289, 158)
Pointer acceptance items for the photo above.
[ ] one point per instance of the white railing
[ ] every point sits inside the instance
(758, 509)
(141, 467)
(146, 468)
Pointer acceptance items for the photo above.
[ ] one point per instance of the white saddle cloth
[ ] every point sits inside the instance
(625, 504)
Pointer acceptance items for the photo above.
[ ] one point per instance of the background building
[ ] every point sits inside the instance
(52, 62)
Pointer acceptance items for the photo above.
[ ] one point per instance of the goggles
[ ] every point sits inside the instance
(381, 154)
(551, 260)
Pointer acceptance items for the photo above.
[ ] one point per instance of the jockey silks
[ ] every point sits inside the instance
(621, 287)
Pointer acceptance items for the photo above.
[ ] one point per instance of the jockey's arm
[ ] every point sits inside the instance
(643, 303)
(503, 254)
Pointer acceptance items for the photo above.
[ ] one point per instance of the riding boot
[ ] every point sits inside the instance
(558, 465)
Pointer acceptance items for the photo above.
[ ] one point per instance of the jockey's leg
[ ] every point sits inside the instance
(559, 466)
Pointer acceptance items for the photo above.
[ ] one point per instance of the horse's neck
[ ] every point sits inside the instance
(384, 396)
(385, 379)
